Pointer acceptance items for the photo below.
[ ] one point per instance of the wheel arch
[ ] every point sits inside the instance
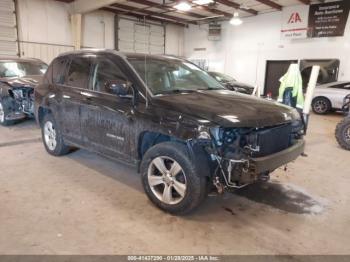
(196, 151)
(42, 111)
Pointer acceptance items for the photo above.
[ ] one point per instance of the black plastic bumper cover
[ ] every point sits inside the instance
(271, 162)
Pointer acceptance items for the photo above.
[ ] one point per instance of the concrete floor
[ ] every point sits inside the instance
(85, 204)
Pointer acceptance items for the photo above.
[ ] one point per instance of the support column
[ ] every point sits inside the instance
(76, 30)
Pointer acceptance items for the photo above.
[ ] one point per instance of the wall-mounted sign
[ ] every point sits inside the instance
(295, 22)
(329, 19)
(319, 20)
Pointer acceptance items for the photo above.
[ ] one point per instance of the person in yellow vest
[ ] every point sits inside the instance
(291, 88)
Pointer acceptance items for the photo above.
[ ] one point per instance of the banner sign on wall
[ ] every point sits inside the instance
(328, 20)
(295, 22)
(318, 20)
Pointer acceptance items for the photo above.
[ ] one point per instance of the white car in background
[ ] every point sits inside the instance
(328, 97)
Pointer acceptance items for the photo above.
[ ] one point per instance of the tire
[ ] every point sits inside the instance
(181, 198)
(321, 105)
(52, 137)
(342, 133)
(6, 106)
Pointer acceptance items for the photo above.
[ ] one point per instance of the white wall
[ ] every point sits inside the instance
(174, 40)
(45, 29)
(242, 51)
(98, 30)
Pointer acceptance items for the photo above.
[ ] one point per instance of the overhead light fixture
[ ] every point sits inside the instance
(203, 2)
(183, 6)
(235, 20)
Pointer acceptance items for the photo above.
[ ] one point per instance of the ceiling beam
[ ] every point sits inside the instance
(165, 7)
(130, 9)
(85, 6)
(141, 17)
(237, 6)
(214, 11)
(270, 4)
(306, 2)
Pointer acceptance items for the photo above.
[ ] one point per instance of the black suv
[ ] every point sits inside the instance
(185, 132)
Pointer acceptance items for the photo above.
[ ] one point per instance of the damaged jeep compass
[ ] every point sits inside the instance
(185, 132)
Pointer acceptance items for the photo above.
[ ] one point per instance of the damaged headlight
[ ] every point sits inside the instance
(203, 133)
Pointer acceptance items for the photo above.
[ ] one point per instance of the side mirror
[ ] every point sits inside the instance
(121, 88)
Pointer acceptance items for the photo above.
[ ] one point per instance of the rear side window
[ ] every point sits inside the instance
(78, 73)
(58, 70)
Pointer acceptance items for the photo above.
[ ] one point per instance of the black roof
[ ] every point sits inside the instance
(123, 54)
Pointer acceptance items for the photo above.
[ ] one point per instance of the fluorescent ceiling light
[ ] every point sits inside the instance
(203, 2)
(183, 6)
(236, 20)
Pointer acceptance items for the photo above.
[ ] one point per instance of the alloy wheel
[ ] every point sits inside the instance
(50, 135)
(167, 180)
(320, 106)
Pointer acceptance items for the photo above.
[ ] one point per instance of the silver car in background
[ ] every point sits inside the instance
(329, 97)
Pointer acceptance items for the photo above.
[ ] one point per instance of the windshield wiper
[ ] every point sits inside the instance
(176, 91)
(211, 88)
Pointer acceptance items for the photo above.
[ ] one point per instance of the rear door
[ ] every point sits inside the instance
(108, 120)
(73, 93)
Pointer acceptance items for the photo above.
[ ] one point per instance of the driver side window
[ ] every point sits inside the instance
(105, 73)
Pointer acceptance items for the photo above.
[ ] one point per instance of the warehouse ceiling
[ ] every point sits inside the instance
(164, 10)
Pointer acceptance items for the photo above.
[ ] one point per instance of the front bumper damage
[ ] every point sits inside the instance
(241, 156)
(270, 163)
(238, 173)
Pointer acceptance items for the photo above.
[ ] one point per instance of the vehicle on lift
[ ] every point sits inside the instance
(232, 84)
(186, 133)
(18, 78)
(329, 97)
(342, 132)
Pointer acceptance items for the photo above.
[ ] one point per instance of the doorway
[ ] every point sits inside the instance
(275, 69)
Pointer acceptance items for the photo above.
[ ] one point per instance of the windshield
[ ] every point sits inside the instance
(221, 77)
(172, 75)
(20, 69)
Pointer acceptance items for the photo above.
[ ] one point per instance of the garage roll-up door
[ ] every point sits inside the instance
(8, 31)
(140, 37)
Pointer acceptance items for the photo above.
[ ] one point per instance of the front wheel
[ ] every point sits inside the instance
(5, 109)
(52, 137)
(170, 179)
(342, 133)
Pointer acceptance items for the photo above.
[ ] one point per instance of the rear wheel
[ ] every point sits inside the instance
(321, 105)
(52, 137)
(342, 133)
(170, 179)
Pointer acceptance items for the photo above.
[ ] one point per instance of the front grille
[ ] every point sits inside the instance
(273, 140)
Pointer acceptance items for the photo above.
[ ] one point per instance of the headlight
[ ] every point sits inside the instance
(296, 115)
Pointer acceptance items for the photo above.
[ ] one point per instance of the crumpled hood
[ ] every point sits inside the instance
(227, 108)
(27, 81)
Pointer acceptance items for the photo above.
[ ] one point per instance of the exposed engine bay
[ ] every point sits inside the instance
(234, 152)
(23, 100)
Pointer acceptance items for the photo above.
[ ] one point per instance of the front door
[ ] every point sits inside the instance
(108, 120)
